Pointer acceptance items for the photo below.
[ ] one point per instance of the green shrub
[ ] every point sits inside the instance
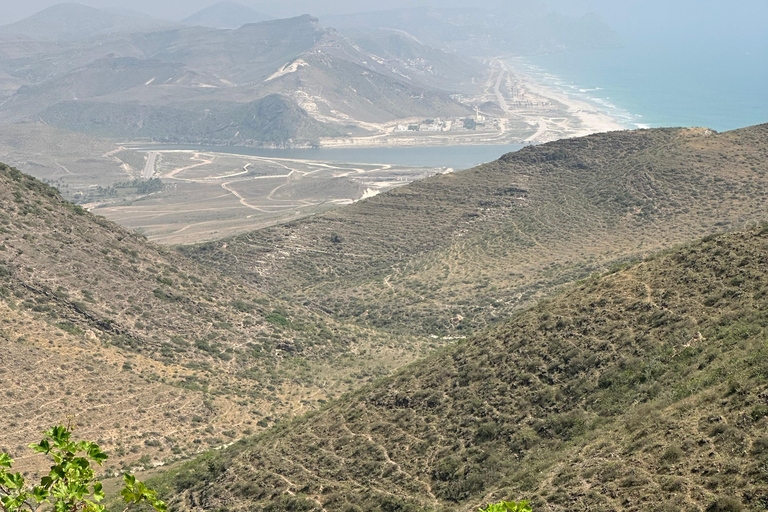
(725, 504)
(71, 485)
(508, 506)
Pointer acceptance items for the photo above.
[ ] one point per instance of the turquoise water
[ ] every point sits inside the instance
(719, 86)
(456, 157)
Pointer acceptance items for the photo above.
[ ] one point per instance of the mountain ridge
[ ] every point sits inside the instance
(640, 388)
(74, 21)
(456, 252)
(194, 72)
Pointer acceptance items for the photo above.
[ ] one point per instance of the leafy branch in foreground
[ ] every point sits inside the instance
(508, 506)
(71, 485)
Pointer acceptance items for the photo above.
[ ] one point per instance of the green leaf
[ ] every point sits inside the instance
(14, 481)
(43, 446)
(160, 506)
(12, 503)
(40, 494)
(95, 453)
(5, 460)
(98, 492)
(508, 506)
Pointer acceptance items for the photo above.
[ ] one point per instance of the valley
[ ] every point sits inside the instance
(342, 261)
(156, 325)
(642, 388)
(208, 195)
(280, 320)
(456, 253)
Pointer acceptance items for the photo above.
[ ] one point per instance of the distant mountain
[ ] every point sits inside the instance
(423, 64)
(178, 84)
(642, 389)
(511, 28)
(72, 21)
(272, 120)
(452, 254)
(225, 15)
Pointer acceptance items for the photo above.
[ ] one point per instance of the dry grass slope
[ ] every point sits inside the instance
(102, 325)
(453, 254)
(643, 389)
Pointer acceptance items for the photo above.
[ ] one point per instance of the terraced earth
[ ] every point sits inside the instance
(94, 314)
(450, 255)
(642, 389)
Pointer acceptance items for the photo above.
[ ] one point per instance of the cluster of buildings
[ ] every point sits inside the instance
(440, 125)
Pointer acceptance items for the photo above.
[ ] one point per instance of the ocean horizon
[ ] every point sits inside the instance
(718, 87)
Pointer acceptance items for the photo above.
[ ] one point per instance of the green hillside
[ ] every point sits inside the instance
(452, 254)
(643, 389)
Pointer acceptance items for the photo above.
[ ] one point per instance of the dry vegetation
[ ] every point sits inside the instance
(75, 285)
(452, 254)
(127, 402)
(640, 390)
(643, 388)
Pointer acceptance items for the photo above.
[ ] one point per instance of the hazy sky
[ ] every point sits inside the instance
(703, 19)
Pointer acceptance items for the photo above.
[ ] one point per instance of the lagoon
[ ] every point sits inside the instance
(455, 157)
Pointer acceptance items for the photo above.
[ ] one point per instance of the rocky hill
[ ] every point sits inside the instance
(272, 120)
(197, 84)
(73, 21)
(157, 355)
(488, 30)
(642, 389)
(452, 254)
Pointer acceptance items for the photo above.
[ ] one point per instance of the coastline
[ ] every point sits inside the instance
(537, 108)
(590, 118)
(578, 96)
(519, 103)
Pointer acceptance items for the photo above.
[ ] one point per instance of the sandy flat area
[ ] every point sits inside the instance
(512, 106)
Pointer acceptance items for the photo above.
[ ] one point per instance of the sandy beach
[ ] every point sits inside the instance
(512, 107)
(583, 117)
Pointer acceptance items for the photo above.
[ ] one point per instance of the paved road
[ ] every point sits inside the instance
(497, 88)
(149, 168)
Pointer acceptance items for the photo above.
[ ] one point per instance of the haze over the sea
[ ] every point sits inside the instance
(684, 63)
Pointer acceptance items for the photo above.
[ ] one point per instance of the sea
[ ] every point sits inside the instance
(647, 83)
(447, 157)
(642, 84)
